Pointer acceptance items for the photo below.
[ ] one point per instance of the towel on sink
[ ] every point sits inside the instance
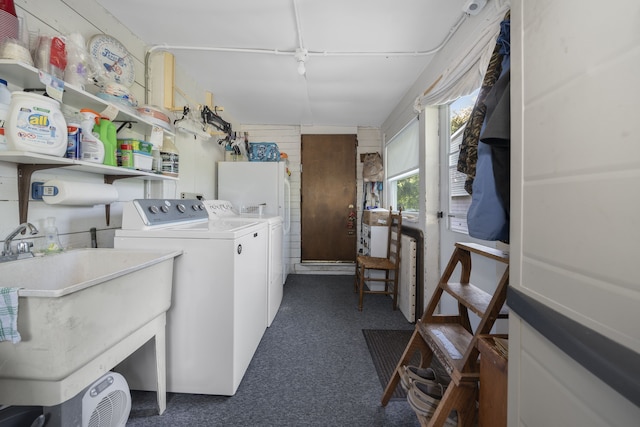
(9, 315)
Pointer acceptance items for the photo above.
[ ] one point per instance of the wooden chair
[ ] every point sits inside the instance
(390, 265)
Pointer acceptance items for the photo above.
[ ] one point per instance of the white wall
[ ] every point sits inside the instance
(575, 224)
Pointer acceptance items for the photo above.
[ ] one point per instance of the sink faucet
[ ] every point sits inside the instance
(21, 228)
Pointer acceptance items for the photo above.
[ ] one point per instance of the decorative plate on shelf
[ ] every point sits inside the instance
(116, 63)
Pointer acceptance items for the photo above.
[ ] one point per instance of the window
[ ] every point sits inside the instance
(459, 199)
(402, 169)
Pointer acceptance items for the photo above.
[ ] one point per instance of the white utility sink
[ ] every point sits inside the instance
(80, 313)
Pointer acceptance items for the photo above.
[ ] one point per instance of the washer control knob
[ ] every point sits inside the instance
(153, 209)
(182, 208)
(164, 208)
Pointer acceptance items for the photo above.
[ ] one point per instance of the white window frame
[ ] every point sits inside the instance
(392, 188)
(458, 198)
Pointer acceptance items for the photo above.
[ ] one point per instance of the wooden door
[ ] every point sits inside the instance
(328, 188)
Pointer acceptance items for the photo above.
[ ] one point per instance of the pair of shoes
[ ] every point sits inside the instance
(424, 396)
(410, 373)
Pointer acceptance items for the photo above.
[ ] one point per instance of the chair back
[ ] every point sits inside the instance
(395, 237)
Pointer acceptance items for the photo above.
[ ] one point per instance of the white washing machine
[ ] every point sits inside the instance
(222, 209)
(218, 309)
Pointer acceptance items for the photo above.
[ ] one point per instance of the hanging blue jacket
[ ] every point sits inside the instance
(488, 215)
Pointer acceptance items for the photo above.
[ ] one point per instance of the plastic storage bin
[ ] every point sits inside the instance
(264, 152)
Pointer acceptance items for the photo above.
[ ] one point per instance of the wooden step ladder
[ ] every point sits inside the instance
(451, 338)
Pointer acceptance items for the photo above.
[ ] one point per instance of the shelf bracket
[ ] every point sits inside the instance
(109, 179)
(24, 186)
(127, 123)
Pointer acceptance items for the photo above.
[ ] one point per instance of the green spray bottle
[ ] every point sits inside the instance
(108, 135)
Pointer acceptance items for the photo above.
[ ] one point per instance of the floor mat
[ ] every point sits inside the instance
(386, 347)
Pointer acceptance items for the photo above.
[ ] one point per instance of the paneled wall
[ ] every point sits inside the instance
(574, 215)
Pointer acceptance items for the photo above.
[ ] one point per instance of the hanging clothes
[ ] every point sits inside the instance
(488, 215)
(468, 156)
(497, 130)
(468, 148)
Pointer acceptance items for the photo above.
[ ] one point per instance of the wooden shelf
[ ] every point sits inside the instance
(487, 252)
(449, 343)
(472, 297)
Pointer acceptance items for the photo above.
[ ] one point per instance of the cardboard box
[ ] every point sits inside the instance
(375, 217)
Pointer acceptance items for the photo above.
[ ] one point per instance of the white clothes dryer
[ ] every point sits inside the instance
(218, 309)
(222, 209)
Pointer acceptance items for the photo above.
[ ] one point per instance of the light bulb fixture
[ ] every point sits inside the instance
(301, 68)
(301, 56)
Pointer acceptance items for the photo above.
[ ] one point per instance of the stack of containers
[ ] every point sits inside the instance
(8, 20)
(140, 152)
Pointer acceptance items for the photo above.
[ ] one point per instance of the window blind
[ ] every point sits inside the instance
(402, 151)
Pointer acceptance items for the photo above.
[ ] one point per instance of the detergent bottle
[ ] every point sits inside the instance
(91, 148)
(107, 133)
(36, 124)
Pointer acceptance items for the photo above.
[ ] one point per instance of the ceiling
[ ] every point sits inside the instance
(363, 55)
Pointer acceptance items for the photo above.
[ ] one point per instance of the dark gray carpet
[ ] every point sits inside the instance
(312, 368)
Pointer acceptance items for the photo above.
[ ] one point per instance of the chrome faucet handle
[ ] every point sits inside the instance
(24, 247)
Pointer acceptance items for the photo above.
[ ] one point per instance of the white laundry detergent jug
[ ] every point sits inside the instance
(36, 124)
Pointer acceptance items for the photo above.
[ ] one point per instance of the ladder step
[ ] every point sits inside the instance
(495, 254)
(472, 297)
(449, 342)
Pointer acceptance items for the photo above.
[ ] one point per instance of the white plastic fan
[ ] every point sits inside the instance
(107, 402)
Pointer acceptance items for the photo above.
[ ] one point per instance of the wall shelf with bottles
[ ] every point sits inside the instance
(27, 77)
(51, 162)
